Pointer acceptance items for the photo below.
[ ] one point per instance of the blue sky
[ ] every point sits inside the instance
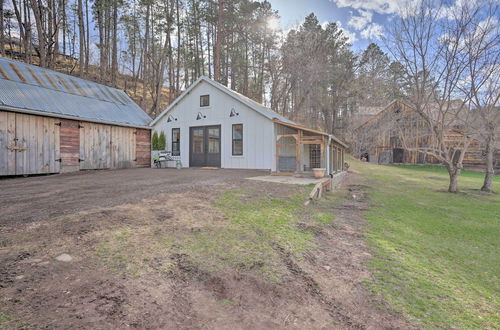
(364, 21)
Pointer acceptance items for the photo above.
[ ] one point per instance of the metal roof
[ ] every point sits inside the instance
(266, 112)
(34, 89)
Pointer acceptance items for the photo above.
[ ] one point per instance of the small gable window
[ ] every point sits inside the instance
(204, 100)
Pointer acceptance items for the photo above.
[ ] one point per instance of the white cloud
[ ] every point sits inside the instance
(373, 31)
(378, 6)
(351, 36)
(449, 12)
(359, 22)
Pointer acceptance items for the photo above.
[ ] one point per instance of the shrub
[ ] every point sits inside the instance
(155, 141)
(162, 142)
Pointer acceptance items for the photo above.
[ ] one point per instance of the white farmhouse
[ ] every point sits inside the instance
(210, 125)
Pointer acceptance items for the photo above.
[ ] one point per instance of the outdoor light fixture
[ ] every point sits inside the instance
(233, 113)
(200, 116)
(171, 118)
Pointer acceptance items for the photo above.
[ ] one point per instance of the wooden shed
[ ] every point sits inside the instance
(51, 122)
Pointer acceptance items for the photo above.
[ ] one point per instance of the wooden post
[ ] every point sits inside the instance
(298, 151)
(321, 152)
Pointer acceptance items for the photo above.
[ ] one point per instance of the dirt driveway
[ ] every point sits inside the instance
(187, 249)
(25, 200)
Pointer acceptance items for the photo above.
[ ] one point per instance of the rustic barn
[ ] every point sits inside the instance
(212, 125)
(51, 122)
(379, 140)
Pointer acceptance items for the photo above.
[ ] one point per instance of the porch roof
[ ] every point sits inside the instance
(303, 128)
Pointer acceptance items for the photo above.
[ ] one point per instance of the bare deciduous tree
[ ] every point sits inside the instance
(430, 43)
(482, 85)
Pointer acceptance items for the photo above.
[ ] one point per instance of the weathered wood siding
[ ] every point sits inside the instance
(29, 144)
(95, 146)
(382, 139)
(7, 139)
(122, 147)
(143, 147)
(104, 146)
(70, 145)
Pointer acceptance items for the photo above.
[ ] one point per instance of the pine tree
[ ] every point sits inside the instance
(155, 142)
(162, 141)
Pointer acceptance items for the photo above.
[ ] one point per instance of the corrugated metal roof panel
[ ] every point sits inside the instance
(4, 74)
(37, 78)
(18, 72)
(30, 87)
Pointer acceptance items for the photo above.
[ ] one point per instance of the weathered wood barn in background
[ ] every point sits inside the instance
(51, 122)
(380, 139)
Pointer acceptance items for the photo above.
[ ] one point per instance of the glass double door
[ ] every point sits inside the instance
(204, 146)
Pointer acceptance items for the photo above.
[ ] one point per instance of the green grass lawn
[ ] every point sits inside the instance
(437, 254)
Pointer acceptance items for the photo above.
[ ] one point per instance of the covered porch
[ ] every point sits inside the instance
(299, 150)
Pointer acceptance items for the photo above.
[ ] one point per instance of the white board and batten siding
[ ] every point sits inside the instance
(258, 131)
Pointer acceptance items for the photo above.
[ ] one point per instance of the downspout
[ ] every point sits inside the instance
(328, 155)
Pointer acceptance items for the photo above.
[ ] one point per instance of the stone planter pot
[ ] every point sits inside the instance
(319, 172)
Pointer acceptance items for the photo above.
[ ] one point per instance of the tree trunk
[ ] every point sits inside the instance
(245, 73)
(27, 31)
(102, 46)
(179, 42)
(208, 51)
(145, 60)
(87, 39)
(2, 40)
(47, 21)
(114, 56)
(64, 25)
(218, 41)
(40, 32)
(453, 172)
(81, 30)
(23, 35)
(489, 170)
(57, 18)
(159, 83)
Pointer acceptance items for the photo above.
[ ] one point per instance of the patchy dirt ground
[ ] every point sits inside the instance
(142, 260)
(38, 198)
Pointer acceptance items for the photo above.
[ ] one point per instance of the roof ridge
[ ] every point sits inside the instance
(245, 97)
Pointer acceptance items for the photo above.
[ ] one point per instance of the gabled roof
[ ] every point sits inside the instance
(32, 89)
(259, 108)
(389, 107)
(264, 111)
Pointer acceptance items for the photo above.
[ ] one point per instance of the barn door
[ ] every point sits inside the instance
(7, 141)
(95, 146)
(397, 155)
(122, 147)
(29, 144)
